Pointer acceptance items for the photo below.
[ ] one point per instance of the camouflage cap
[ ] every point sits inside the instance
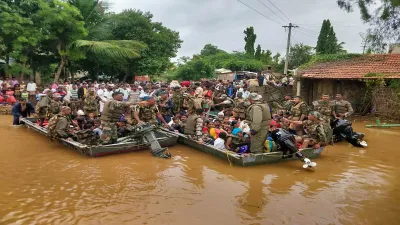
(254, 96)
(316, 114)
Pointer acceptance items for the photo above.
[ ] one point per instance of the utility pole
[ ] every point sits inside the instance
(288, 46)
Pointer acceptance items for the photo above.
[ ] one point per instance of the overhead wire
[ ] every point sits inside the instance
(259, 12)
(271, 10)
(279, 10)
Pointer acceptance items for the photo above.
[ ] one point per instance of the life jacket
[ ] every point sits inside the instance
(51, 127)
(147, 113)
(296, 110)
(266, 112)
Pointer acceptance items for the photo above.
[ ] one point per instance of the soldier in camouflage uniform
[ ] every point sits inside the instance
(43, 105)
(194, 125)
(285, 106)
(146, 112)
(316, 130)
(177, 99)
(189, 103)
(165, 106)
(59, 125)
(324, 107)
(55, 106)
(112, 112)
(240, 108)
(298, 112)
(342, 108)
(91, 103)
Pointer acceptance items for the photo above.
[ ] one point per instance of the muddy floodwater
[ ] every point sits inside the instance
(43, 182)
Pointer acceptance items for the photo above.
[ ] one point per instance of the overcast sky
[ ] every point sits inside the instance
(222, 22)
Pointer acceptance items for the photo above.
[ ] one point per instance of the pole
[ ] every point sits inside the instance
(288, 46)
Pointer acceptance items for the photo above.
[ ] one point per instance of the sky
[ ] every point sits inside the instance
(222, 22)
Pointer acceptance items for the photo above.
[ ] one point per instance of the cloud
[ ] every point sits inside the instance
(222, 22)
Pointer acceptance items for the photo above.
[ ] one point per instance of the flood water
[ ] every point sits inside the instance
(43, 182)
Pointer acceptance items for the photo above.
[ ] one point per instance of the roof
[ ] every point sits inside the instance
(362, 67)
(222, 70)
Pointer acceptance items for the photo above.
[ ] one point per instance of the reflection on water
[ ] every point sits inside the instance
(46, 183)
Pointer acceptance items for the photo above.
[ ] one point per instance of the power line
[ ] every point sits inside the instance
(259, 12)
(271, 10)
(312, 31)
(310, 35)
(279, 10)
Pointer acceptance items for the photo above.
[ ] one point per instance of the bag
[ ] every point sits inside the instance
(270, 146)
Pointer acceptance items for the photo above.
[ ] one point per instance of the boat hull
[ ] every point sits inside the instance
(165, 139)
(247, 159)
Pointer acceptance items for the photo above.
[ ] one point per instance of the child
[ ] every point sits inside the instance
(25, 94)
(97, 128)
(219, 143)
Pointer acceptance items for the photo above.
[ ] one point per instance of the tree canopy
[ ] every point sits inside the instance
(250, 40)
(327, 41)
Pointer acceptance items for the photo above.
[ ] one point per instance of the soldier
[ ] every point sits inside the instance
(91, 103)
(165, 106)
(189, 103)
(258, 116)
(325, 107)
(298, 112)
(43, 106)
(59, 125)
(240, 108)
(146, 112)
(253, 83)
(342, 108)
(286, 105)
(55, 106)
(177, 99)
(194, 125)
(112, 112)
(317, 131)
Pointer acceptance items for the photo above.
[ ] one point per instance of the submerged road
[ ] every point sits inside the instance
(43, 182)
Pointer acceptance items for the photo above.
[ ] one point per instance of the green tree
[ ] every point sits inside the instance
(276, 58)
(250, 40)
(210, 49)
(327, 41)
(383, 19)
(257, 55)
(266, 57)
(300, 54)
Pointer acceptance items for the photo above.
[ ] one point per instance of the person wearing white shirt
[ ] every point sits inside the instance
(246, 93)
(31, 89)
(100, 93)
(219, 143)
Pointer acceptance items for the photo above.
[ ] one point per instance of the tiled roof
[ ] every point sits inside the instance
(355, 68)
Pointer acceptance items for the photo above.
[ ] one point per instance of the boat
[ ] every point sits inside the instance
(247, 159)
(166, 139)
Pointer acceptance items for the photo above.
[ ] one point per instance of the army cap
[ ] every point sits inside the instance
(254, 96)
(316, 114)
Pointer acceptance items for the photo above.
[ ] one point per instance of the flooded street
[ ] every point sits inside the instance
(46, 183)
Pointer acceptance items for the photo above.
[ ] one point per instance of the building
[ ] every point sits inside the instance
(348, 77)
(225, 74)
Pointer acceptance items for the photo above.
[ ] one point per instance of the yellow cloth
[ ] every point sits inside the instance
(84, 91)
(213, 133)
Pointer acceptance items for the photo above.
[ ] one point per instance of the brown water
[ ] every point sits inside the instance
(46, 183)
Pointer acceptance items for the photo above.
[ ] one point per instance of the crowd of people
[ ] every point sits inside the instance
(226, 114)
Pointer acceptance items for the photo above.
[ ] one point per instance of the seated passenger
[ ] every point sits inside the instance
(219, 143)
(342, 129)
(237, 143)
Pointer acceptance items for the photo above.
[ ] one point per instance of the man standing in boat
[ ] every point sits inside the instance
(342, 108)
(112, 112)
(194, 125)
(42, 107)
(258, 116)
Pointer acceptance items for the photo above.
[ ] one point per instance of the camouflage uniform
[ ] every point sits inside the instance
(42, 107)
(298, 110)
(286, 106)
(194, 126)
(59, 126)
(325, 108)
(166, 110)
(147, 114)
(177, 101)
(91, 105)
(315, 131)
(190, 104)
(54, 109)
(240, 108)
(112, 112)
(343, 107)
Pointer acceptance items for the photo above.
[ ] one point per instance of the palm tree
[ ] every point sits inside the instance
(96, 22)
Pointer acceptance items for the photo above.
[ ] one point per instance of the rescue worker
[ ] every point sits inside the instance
(253, 83)
(194, 125)
(59, 125)
(112, 112)
(317, 131)
(286, 105)
(165, 106)
(240, 108)
(147, 112)
(342, 108)
(298, 112)
(43, 106)
(177, 99)
(325, 107)
(91, 103)
(258, 116)
(226, 101)
(55, 106)
(189, 103)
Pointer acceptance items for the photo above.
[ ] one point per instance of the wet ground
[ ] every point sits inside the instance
(46, 183)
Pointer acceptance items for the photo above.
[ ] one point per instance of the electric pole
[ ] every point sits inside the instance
(288, 46)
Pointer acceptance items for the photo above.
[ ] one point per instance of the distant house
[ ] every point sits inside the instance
(348, 77)
(225, 74)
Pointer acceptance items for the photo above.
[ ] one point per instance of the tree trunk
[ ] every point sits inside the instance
(60, 67)
(32, 75)
(37, 78)
(6, 69)
(22, 72)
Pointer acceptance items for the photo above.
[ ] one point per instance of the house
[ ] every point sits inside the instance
(348, 76)
(225, 74)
